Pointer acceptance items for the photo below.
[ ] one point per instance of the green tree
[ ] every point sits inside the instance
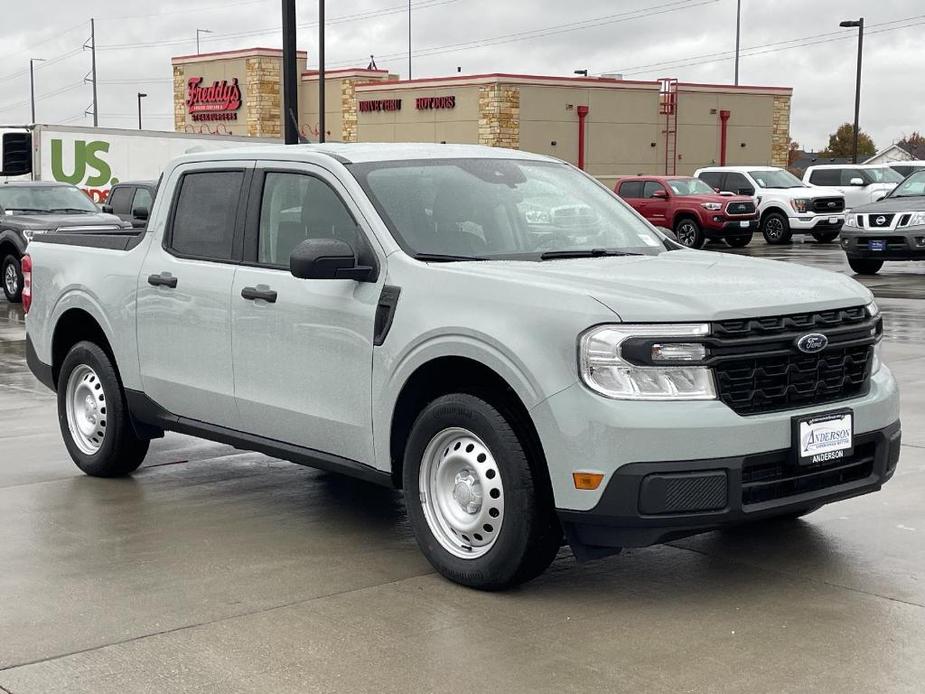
(841, 143)
(914, 143)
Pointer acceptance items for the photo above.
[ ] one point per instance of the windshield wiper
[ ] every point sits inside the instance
(72, 209)
(584, 253)
(445, 257)
(26, 209)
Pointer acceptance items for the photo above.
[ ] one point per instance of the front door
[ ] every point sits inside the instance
(184, 296)
(302, 349)
(656, 208)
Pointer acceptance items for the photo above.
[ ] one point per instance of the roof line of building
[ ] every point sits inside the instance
(242, 52)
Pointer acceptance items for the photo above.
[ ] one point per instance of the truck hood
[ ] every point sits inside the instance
(810, 192)
(911, 204)
(52, 222)
(685, 285)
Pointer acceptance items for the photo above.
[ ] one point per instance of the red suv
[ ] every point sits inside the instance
(691, 208)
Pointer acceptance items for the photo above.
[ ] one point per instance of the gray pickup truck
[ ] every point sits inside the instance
(493, 331)
(28, 208)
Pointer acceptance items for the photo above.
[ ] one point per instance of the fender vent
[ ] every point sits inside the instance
(385, 312)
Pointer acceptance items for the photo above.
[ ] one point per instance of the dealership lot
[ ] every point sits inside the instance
(213, 569)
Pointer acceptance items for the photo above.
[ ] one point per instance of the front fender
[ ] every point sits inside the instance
(15, 238)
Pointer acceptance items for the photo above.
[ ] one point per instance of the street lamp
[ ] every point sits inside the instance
(141, 95)
(581, 72)
(200, 31)
(850, 24)
(32, 62)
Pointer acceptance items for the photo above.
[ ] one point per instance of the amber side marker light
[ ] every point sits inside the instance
(588, 481)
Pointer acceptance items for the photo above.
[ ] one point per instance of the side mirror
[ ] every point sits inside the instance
(107, 209)
(326, 259)
(717, 190)
(140, 213)
(659, 194)
(856, 181)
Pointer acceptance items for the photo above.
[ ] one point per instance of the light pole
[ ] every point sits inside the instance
(859, 23)
(583, 73)
(738, 35)
(141, 95)
(409, 39)
(32, 62)
(200, 31)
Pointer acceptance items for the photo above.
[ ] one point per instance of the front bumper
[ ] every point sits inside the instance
(725, 227)
(900, 244)
(817, 222)
(649, 503)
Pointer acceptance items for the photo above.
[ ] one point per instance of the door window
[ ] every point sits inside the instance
(631, 189)
(295, 208)
(650, 188)
(142, 199)
(120, 200)
(205, 214)
(848, 174)
(826, 177)
(737, 183)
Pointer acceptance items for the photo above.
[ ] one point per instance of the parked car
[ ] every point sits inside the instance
(392, 312)
(859, 183)
(28, 208)
(131, 201)
(906, 168)
(786, 205)
(891, 229)
(693, 210)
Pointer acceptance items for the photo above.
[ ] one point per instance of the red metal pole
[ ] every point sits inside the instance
(582, 114)
(723, 124)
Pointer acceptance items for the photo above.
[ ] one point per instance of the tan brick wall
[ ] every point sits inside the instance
(262, 96)
(179, 98)
(499, 116)
(780, 131)
(348, 110)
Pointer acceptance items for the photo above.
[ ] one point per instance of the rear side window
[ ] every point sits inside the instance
(120, 200)
(631, 189)
(712, 178)
(204, 218)
(826, 177)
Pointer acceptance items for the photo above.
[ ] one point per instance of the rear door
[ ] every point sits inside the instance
(184, 295)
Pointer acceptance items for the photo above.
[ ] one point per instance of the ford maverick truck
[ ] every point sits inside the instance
(494, 332)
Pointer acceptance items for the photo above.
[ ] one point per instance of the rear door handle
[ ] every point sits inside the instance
(253, 293)
(165, 279)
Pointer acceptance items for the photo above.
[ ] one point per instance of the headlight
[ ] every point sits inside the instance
(712, 206)
(851, 220)
(917, 218)
(609, 357)
(800, 204)
(872, 309)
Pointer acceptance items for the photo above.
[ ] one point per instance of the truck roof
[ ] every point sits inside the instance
(763, 167)
(848, 166)
(365, 152)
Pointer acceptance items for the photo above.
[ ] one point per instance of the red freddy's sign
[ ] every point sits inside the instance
(219, 101)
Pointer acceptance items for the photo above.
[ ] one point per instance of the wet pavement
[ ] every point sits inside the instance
(216, 570)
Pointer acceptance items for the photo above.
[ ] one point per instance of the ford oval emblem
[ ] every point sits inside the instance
(812, 343)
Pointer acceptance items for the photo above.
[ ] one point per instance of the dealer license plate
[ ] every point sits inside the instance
(744, 225)
(878, 245)
(824, 438)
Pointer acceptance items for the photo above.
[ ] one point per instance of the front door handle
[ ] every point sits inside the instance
(253, 293)
(165, 279)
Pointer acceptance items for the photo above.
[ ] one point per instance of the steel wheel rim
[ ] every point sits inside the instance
(774, 228)
(11, 279)
(686, 234)
(461, 493)
(85, 404)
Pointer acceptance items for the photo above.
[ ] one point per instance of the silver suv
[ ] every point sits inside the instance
(493, 331)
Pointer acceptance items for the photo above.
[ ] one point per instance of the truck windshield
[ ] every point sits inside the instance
(493, 209)
(41, 199)
(776, 178)
(690, 186)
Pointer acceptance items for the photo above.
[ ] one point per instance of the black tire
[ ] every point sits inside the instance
(689, 233)
(120, 451)
(776, 228)
(825, 236)
(865, 266)
(529, 537)
(739, 241)
(11, 273)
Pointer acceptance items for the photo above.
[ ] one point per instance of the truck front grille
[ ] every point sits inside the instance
(740, 208)
(826, 205)
(759, 368)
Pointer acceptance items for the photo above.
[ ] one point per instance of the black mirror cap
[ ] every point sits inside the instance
(107, 209)
(140, 213)
(327, 259)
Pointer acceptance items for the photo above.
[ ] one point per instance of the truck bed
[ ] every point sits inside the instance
(117, 239)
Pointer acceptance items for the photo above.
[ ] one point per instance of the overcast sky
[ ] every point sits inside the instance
(692, 40)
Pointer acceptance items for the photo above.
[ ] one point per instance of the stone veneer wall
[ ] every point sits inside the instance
(499, 116)
(179, 98)
(348, 110)
(780, 131)
(262, 96)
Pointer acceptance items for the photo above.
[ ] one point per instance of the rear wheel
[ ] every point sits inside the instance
(865, 266)
(739, 241)
(477, 504)
(689, 233)
(93, 416)
(776, 228)
(11, 272)
(825, 236)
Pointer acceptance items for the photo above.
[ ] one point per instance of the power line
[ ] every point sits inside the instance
(189, 10)
(42, 97)
(41, 66)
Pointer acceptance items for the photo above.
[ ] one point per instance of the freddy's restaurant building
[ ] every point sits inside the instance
(607, 125)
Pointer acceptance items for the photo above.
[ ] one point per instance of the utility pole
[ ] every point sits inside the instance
(92, 80)
(290, 87)
(32, 62)
(200, 31)
(409, 39)
(857, 82)
(738, 36)
(141, 95)
(321, 106)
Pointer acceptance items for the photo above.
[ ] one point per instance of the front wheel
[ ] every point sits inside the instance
(739, 241)
(93, 416)
(825, 236)
(865, 266)
(481, 512)
(776, 228)
(12, 279)
(689, 233)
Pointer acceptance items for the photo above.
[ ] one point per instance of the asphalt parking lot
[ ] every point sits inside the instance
(217, 570)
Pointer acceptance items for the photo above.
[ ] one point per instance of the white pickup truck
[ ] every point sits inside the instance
(861, 184)
(438, 318)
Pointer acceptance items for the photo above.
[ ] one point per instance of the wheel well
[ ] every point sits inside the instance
(76, 325)
(460, 375)
(7, 248)
(685, 214)
(771, 210)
